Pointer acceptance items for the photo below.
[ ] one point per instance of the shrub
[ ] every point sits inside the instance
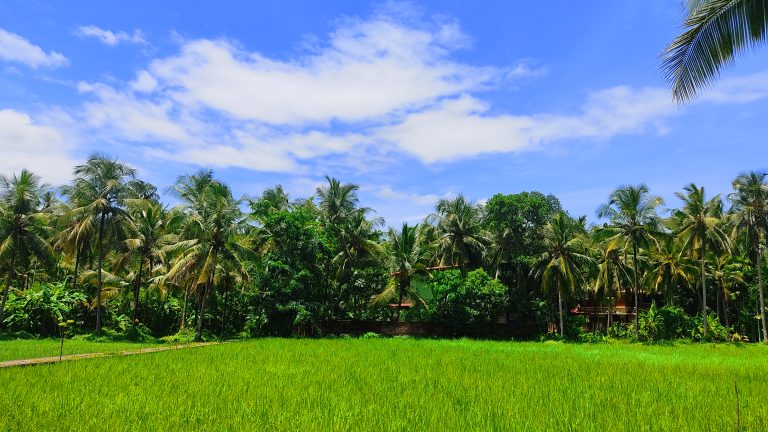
(39, 309)
(715, 330)
(666, 323)
(463, 303)
(620, 330)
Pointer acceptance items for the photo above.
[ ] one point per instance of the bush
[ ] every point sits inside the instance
(255, 324)
(666, 323)
(463, 303)
(39, 309)
(621, 330)
(183, 336)
(593, 337)
(715, 330)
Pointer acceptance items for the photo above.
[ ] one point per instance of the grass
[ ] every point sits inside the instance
(32, 348)
(396, 385)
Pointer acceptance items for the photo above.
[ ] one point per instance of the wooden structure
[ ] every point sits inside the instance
(622, 309)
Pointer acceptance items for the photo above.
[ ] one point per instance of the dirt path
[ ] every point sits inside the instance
(47, 360)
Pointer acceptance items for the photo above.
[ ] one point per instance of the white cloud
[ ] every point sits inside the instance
(375, 89)
(368, 69)
(303, 187)
(144, 83)
(460, 127)
(42, 149)
(740, 89)
(260, 151)
(215, 104)
(527, 69)
(109, 37)
(390, 194)
(18, 49)
(122, 115)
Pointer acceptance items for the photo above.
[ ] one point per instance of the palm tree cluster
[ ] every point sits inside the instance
(271, 265)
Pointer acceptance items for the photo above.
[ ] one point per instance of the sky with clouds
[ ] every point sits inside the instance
(410, 100)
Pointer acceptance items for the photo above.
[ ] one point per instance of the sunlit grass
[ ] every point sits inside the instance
(396, 385)
(33, 348)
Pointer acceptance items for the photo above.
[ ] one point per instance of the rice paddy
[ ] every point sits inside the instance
(397, 385)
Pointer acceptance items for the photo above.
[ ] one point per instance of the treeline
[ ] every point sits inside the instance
(105, 254)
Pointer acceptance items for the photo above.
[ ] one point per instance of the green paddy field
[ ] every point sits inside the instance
(392, 385)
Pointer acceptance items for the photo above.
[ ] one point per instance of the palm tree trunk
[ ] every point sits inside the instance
(136, 288)
(77, 267)
(401, 290)
(201, 311)
(725, 311)
(760, 290)
(703, 293)
(637, 304)
(594, 312)
(184, 310)
(98, 273)
(224, 314)
(560, 308)
(150, 265)
(5, 295)
(719, 303)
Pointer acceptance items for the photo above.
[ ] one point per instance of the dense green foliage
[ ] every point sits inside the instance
(104, 252)
(397, 385)
(463, 302)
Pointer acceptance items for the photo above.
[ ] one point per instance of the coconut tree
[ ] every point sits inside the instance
(633, 221)
(98, 192)
(337, 202)
(562, 267)
(460, 238)
(208, 251)
(613, 273)
(715, 32)
(699, 227)
(749, 210)
(153, 229)
(75, 237)
(358, 241)
(407, 255)
(668, 267)
(727, 271)
(23, 228)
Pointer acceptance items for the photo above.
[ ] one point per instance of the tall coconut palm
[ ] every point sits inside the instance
(357, 242)
(407, 255)
(153, 230)
(727, 271)
(716, 31)
(208, 251)
(562, 267)
(633, 223)
(502, 246)
(75, 237)
(338, 202)
(668, 268)
(749, 208)
(23, 228)
(272, 199)
(699, 227)
(613, 273)
(459, 229)
(99, 191)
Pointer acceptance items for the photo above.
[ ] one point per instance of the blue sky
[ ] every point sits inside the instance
(412, 101)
